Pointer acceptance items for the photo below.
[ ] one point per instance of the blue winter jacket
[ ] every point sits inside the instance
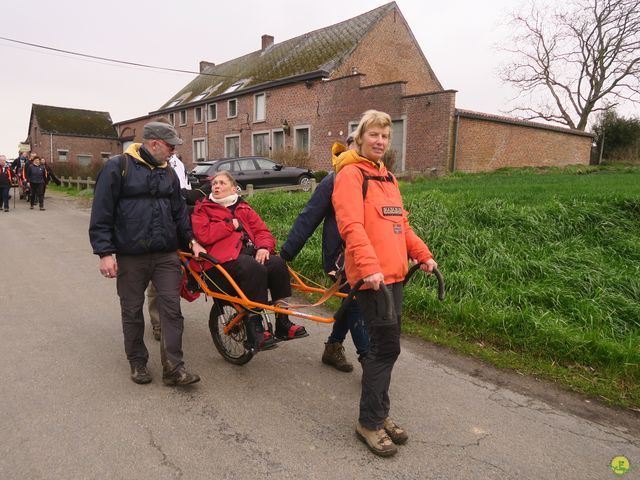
(140, 210)
(317, 209)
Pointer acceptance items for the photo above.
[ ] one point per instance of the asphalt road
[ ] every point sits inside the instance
(69, 410)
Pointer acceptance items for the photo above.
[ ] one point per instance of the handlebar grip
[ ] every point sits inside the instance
(347, 301)
(206, 256)
(435, 271)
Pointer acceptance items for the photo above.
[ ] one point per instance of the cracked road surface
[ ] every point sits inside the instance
(69, 410)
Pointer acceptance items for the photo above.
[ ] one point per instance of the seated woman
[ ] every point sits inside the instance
(234, 234)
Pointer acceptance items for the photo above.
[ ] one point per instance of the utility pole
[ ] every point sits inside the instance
(601, 146)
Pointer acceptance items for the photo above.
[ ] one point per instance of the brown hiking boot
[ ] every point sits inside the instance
(334, 355)
(376, 440)
(140, 374)
(179, 377)
(397, 434)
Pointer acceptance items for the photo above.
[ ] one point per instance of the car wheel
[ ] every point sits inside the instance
(240, 188)
(305, 181)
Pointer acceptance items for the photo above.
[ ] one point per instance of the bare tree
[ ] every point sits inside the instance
(581, 57)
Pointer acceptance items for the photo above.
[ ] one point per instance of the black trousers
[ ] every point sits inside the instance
(384, 348)
(37, 193)
(253, 278)
(134, 274)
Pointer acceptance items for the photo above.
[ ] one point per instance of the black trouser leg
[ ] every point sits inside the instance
(384, 348)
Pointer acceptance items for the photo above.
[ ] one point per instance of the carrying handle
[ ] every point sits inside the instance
(435, 271)
(351, 296)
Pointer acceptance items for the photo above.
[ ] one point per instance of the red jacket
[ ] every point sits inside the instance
(375, 229)
(213, 228)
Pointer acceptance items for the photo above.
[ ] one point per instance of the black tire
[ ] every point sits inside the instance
(305, 181)
(231, 346)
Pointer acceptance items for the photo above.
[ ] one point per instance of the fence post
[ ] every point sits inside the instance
(78, 183)
(250, 190)
(88, 184)
(313, 185)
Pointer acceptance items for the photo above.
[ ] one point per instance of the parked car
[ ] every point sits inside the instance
(259, 171)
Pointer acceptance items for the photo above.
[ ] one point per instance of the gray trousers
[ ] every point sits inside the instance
(152, 306)
(384, 348)
(134, 274)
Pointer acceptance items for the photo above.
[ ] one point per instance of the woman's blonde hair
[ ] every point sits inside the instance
(225, 173)
(371, 118)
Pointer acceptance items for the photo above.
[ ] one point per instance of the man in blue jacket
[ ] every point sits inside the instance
(318, 209)
(139, 215)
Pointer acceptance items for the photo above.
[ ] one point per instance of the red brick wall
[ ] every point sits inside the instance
(485, 145)
(430, 131)
(328, 107)
(390, 53)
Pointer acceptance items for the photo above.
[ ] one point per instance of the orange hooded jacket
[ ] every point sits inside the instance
(375, 229)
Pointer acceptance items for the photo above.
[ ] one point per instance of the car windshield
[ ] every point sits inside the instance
(201, 169)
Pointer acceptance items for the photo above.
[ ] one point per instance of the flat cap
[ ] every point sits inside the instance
(161, 131)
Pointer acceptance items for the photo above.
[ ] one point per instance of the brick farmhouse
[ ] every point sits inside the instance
(72, 136)
(292, 100)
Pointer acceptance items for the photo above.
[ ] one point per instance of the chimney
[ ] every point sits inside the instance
(267, 41)
(204, 65)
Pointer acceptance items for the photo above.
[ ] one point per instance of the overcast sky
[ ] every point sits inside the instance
(458, 38)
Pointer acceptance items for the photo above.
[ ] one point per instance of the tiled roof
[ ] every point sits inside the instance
(73, 121)
(322, 49)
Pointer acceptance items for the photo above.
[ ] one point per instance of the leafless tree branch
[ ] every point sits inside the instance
(581, 56)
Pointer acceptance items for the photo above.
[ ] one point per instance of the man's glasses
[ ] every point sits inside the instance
(168, 145)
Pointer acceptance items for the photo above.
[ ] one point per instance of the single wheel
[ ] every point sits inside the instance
(305, 181)
(231, 346)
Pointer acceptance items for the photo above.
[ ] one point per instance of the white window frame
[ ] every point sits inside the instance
(352, 127)
(195, 114)
(295, 137)
(235, 101)
(209, 116)
(104, 156)
(78, 155)
(273, 136)
(253, 145)
(63, 152)
(184, 117)
(256, 97)
(204, 144)
(226, 153)
(172, 118)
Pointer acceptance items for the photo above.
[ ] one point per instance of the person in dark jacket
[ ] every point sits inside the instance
(37, 178)
(139, 215)
(319, 209)
(236, 236)
(6, 178)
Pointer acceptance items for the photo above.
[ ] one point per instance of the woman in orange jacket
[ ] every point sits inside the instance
(379, 241)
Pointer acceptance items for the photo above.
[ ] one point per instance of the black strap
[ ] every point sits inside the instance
(377, 178)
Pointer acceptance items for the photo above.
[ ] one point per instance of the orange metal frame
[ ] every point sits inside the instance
(242, 304)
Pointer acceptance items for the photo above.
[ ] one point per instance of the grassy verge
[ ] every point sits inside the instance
(542, 271)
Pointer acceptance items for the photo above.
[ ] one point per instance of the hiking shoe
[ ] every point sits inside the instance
(140, 374)
(42, 208)
(334, 355)
(31, 208)
(376, 440)
(180, 377)
(397, 434)
(287, 330)
(157, 334)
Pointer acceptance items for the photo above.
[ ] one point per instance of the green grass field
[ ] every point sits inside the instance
(542, 270)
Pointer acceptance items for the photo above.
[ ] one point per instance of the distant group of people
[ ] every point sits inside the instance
(140, 218)
(30, 173)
